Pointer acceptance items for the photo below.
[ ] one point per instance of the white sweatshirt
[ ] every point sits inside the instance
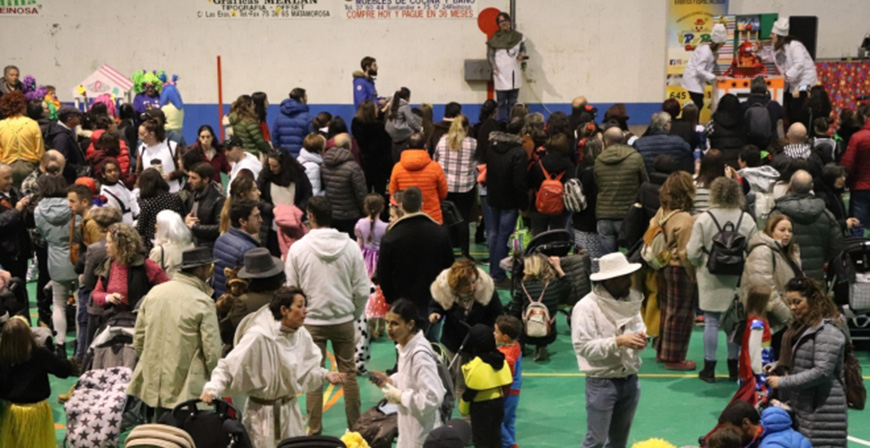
(330, 268)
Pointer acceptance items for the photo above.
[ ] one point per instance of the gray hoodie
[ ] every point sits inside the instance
(52, 217)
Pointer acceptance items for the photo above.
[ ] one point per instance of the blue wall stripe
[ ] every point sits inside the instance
(196, 115)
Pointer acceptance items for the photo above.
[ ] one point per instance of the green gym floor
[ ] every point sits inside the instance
(674, 406)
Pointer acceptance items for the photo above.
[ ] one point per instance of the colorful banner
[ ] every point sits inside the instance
(410, 9)
(265, 9)
(689, 24)
(20, 8)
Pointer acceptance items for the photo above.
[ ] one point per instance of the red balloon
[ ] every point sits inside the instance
(486, 21)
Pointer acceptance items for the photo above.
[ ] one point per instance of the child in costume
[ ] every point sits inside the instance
(485, 377)
(755, 349)
(25, 417)
(507, 330)
(117, 194)
(369, 232)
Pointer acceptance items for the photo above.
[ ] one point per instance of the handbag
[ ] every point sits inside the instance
(520, 238)
(856, 393)
(450, 214)
(733, 320)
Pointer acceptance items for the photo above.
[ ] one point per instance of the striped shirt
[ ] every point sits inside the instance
(459, 166)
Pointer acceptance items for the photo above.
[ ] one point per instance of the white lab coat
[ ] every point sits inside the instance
(269, 364)
(422, 393)
(510, 72)
(794, 62)
(699, 70)
(596, 321)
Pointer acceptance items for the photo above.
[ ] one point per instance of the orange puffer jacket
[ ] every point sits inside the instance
(416, 169)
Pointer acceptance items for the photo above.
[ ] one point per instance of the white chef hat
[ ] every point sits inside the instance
(719, 34)
(780, 27)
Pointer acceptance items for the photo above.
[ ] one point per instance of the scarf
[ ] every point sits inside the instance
(505, 40)
(786, 351)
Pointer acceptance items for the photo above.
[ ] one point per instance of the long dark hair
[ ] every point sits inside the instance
(152, 184)
(260, 104)
(290, 169)
(402, 94)
(486, 110)
(337, 125)
(215, 143)
(712, 167)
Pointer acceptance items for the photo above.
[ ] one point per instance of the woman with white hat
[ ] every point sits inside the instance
(794, 62)
(699, 70)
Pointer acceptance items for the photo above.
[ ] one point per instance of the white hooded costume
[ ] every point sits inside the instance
(271, 367)
(422, 392)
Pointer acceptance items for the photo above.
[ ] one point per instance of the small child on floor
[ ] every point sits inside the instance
(507, 330)
(369, 233)
(755, 348)
(485, 377)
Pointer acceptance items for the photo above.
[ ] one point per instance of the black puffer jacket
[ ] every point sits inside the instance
(816, 231)
(506, 172)
(64, 140)
(211, 202)
(344, 183)
(14, 238)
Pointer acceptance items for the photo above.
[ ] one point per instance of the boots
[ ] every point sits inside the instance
(733, 371)
(708, 373)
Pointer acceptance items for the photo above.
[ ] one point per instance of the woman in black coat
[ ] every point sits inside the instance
(726, 132)
(374, 146)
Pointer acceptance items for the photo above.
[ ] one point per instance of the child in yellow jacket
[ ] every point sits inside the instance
(485, 377)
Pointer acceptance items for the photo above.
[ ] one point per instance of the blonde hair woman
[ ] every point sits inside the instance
(544, 281)
(455, 153)
(171, 238)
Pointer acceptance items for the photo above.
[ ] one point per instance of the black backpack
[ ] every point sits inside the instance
(758, 126)
(728, 252)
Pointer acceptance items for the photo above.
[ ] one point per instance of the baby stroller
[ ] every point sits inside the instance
(848, 279)
(219, 427)
(113, 344)
(94, 412)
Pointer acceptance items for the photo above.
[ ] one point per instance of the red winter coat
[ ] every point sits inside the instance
(95, 158)
(857, 160)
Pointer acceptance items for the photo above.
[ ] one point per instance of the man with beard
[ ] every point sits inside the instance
(608, 334)
(364, 82)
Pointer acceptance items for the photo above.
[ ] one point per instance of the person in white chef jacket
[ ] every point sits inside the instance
(699, 70)
(506, 51)
(794, 62)
(415, 388)
(274, 360)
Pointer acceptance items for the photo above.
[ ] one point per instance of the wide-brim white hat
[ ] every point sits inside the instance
(612, 266)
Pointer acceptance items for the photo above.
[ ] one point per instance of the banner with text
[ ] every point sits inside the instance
(410, 9)
(689, 23)
(265, 9)
(20, 8)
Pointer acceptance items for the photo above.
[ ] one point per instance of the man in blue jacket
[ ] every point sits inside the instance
(230, 248)
(772, 430)
(364, 82)
(293, 124)
(660, 141)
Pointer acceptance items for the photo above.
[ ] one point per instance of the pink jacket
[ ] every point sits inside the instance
(288, 218)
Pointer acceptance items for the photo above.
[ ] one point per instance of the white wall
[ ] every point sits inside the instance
(608, 50)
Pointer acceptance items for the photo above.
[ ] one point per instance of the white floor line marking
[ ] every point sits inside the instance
(859, 441)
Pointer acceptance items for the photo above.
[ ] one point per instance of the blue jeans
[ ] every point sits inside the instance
(82, 339)
(610, 407)
(503, 224)
(508, 431)
(486, 211)
(608, 232)
(859, 207)
(711, 338)
(506, 100)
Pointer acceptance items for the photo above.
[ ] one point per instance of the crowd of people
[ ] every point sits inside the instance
(324, 226)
